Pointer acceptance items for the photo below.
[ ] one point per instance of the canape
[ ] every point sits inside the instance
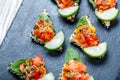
(74, 68)
(85, 37)
(44, 33)
(68, 8)
(105, 10)
(30, 69)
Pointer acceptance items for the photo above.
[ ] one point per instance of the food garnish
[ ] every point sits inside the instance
(74, 68)
(29, 68)
(85, 37)
(105, 10)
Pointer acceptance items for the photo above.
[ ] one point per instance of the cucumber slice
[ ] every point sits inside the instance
(56, 42)
(49, 76)
(107, 15)
(91, 78)
(96, 51)
(67, 12)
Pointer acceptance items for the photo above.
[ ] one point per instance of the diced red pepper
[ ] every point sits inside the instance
(46, 36)
(40, 21)
(44, 32)
(37, 76)
(86, 38)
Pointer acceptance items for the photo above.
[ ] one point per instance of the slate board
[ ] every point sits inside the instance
(18, 44)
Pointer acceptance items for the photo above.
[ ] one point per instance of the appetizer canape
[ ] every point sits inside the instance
(44, 33)
(85, 37)
(30, 69)
(105, 10)
(68, 8)
(74, 68)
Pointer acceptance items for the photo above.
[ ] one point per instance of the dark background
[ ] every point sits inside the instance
(17, 43)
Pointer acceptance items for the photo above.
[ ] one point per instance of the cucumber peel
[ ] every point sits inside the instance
(67, 12)
(56, 42)
(107, 15)
(96, 51)
(49, 76)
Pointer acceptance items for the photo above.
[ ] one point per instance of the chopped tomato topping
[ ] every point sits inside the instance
(46, 36)
(33, 68)
(74, 70)
(40, 21)
(44, 31)
(37, 76)
(105, 4)
(37, 60)
(86, 36)
(66, 3)
(74, 66)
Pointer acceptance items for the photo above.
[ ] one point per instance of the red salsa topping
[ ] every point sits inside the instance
(33, 68)
(74, 70)
(44, 31)
(86, 36)
(66, 3)
(105, 4)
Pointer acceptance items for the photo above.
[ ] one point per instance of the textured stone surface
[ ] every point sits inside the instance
(18, 44)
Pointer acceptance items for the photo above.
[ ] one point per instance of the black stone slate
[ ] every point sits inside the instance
(17, 43)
